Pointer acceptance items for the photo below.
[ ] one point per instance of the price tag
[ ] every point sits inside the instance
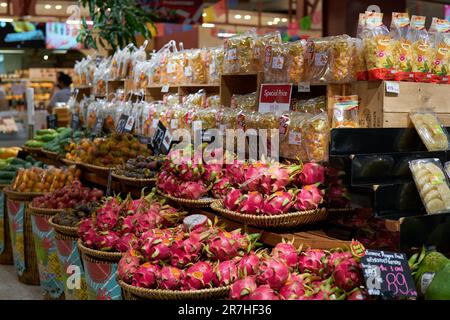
(129, 125)
(98, 127)
(120, 128)
(162, 139)
(165, 88)
(275, 98)
(304, 87)
(196, 125)
(52, 120)
(75, 122)
(392, 87)
(387, 274)
(174, 123)
(109, 185)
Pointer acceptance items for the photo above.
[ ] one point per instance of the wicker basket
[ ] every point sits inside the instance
(102, 171)
(134, 293)
(64, 230)
(6, 256)
(187, 203)
(282, 221)
(35, 152)
(68, 162)
(50, 154)
(134, 182)
(25, 262)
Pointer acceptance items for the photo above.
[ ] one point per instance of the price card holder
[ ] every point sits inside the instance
(109, 185)
(97, 128)
(120, 128)
(129, 125)
(165, 89)
(392, 87)
(162, 139)
(75, 124)
(304, 87)
(52, 121)
(387, 274)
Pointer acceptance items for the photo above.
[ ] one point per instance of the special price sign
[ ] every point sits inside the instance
(275, 98)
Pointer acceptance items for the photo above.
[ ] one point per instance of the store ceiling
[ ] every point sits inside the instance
(280, 6)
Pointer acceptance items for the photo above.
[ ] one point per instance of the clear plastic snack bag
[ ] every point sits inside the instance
(431, 131)
(292, 144)
(262, 43)
(275, 70)
(318, 59)
(239, 53)
(345, 112)
(432, 185)
(244, 101)
(402, 47)
(422, 50)
(440, 38)
(316, 132)
(296, 64)
(215, 57)
(195, 70)
(342, 60)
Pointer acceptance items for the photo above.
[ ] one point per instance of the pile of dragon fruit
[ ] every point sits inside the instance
(182, 258)
(273, 188)
(287, 274)
(118, 224)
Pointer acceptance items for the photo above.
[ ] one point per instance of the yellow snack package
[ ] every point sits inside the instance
(402, 47)
(422, 49)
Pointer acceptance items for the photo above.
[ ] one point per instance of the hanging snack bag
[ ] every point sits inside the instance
(402, 47)
(422, 49)
(261, 43)
(342, 60)
(440, 39)
(345, 112)
(239, 53)
(215, 58)
(318, 59)
(316, 133)
(432, 185)
(296, 61)
(275, 71)
(431, 131)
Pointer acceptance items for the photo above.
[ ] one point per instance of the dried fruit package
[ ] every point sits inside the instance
(316, 131)
(422, 49)
(378, 48)
(215, 65)
(213, 101)
(171, 99)
(195, 100)
(342, 60)
(432, 185)
(440, 39)
(275, 68)
(137, 56)
(141, 76)
(312, 106)
(431, 131)
(150, 118)
(318, 59)
(292, 145)
(101, 76)
(296, 61)
(136, 113)
(262, 43)
(174, 69)
(345, 112)
(160, 76)
(402, 47)
(195, 70)
(239, 53)
(92, 113)
(125, 62)
(244, 101)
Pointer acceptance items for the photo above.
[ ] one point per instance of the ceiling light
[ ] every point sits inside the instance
(46, 57)
(3, 4)
(204, 14)
(225, 34)
(6, 19)
(208, 25)
(269, 23)
(275, 22)
(276, 19)
(238, 16)
(58, 7)
(284, 20)
(247, 17)
(48, 6)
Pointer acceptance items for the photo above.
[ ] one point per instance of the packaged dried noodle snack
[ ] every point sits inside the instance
(239, 53)
(296, 64)
(316, 132)
(195, 71)
(292, 145)
(318, 59)
(440, 39)
(422, 50)
(342, 57)
(263, 43)
(402, 47)
(244, 101)
(215, 57)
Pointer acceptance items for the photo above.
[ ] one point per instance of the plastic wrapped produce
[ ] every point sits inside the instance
(263, 43)
(101, 76)
(239, 53)
(244, 101)
(378, 48)
(316, 136)
(195, 69)
(318, 59)
(275, 69)
(345, 112)
(432, 185)
(422, 49)
(342, 60)
(292, 144)
(215, 58)
(296, 61)
(440, 39)
(402, 47)
(431, 131)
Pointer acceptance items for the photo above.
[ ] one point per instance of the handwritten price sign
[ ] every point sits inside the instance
(387, 274)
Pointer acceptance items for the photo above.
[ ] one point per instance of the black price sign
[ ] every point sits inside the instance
(387, 274)
(75, 122)
(162, 139)
(120, 128)
(52, 121)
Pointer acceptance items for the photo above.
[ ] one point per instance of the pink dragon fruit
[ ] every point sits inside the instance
(127, 241)
(169, 185)
(249, 264)
(312, 173)
(253, 176)
(221, 188)
(222, 247)
(213, 172)
(185, 252)
(236, 172)
(245, 240)
(264, 292)
(338, 197)
(231, 200)
(145, 276)
(251, 203)
(129, 223)
(170, 278)
(335, 258)
(242, 288)
(278, 203)
(308, 198)
(273, 272)
(192, 190)
(293, 288)
(87, 233)
(128, 265)
(199, 276)
(278, 177)
(106, 240)
(357, 294)
(226, 273)
(310, 261)
(156, 249)
(287, 253)
(347, 275)
(107, 215)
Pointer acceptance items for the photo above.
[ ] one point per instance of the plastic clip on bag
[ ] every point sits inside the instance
(345, 112)
(431, 131)
(432, 185)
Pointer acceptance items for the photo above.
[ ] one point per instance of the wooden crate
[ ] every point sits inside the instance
(239, 83)
(379, 109)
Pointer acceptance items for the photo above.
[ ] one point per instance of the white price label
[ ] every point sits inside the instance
(304, 87)
(320, 59)
(277, 62)
(155, 123)
(170, 68)
(129, 124)
(295, 138)
(197, 125)
(231, 54)
(187, 71)
(174, 123)
(392, 87)
(165, 89)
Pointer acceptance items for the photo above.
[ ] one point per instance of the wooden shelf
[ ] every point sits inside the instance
(239, 83)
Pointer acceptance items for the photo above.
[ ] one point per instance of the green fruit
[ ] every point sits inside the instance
(439, 288)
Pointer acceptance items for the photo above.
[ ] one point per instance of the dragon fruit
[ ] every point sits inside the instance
(338, 197)
(145, 276)
(231, 200)
(86, 231)
(251, 203)
(192, 190)
(278, 203)
(126, 242)
(185, 252)
(242, 288)
(357, 294)
(308, 198)
(168, 185)
(335, 258)
(273, 272)
(128, 265)
(107, 215)
(157, 248)
(129, 223)
(286, 252)
(213, 172)
(293, 288)
(347, 274)
(236, 172)
(221, 188)
(312, 173)
(310, 261)
(264, 292)
(253, 176)
(278, 177)
(199, 276)
(106, 240)
(226, 273)
(222, 247)
(170, 278)
(249, 264)
(245, 240)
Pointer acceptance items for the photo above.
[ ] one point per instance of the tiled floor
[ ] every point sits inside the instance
(12, 289)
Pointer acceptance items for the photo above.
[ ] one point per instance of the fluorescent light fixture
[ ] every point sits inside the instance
(237, 16)
(247, 17)
(48, 6)
(208, 25)
(269, 23)
(204, 14)
(225, 34)
(58, 7)
(284, 20)
(59, 51)
(3, 4)
(6, 19)
(45, 57)
(13, 51)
